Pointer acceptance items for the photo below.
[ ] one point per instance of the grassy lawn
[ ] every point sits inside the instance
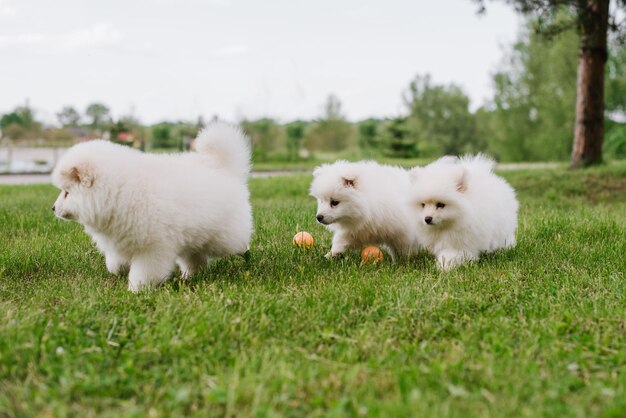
(536, 331)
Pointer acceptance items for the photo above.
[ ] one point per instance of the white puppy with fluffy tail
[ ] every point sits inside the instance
(464, 209)
(149, 212)
(365, 203)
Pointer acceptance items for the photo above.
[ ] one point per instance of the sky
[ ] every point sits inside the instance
(179, 59)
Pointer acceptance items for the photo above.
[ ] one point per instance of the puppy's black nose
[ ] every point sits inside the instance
(428, 219)
(52, 208)
(320, 218)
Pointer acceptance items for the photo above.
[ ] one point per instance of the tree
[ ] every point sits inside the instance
(332, 108)
(397, 136)
(369, 136)
(531, 113)
(616, 78)
(68, 117)
(163, 136)
(265, 135)
(13, 131)
(22, 116)
(331, 132)
(592, 21)
(439, 117)
(99, 114)
(20, 123)
(615, 141)
(295, 138)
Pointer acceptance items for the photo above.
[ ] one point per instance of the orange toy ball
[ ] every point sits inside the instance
(371, 254)
(303, 240)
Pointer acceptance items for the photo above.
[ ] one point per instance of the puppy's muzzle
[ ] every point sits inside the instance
(320, 218)
(428, 220)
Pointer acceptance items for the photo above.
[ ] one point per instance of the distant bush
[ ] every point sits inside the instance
(615, 140)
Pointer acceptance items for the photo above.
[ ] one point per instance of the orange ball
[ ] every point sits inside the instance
(303, 240)
(371, 254)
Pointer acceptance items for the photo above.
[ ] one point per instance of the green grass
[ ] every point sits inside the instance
(536, 331)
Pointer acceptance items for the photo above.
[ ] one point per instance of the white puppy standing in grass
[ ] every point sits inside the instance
(365, 203)
(149, 212)
(464, 209)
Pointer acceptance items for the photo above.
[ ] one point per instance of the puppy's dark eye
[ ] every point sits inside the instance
(423, 205)
(440, 205)
(65, 194)
(334, 203)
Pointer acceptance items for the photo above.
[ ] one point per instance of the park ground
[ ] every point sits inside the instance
(539, 330)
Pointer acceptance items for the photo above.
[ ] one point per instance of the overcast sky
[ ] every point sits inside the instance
(177, 59)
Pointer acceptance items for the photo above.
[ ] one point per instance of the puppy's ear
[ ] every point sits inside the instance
(82, 174)
(349, 181)
(461, 180)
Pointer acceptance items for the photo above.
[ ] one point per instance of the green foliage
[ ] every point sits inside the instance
(532, 114)
(332, 132)
(535, 100)
(20, 124)
(329, 135)
(295, 138)
(265, 135)
(370, 137)
(589, 22)
(162, 136)
(440, 119)
(170, 135)
(615, 89)
(537, 331)
(399, 143)
(615, 140)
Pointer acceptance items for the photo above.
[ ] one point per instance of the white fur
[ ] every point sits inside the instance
(373, 206)
(480, 212)
(149, 212)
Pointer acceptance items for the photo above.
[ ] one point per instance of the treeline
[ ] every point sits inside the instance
(530, 117)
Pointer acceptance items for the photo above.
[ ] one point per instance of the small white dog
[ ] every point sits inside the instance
(464, 209)
(149, 212)
(365, 203)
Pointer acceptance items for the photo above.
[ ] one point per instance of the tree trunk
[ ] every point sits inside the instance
(592, 56)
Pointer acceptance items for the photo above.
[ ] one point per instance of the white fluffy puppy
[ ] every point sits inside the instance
(365, 203)
(148, 212)
(464, 209)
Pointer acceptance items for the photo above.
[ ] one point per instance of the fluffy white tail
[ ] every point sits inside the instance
(227, 145)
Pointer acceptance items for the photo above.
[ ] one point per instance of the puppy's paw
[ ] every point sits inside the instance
(330, 255)
(185, 274)
(136, 287)
(115, 266)
(449, 260)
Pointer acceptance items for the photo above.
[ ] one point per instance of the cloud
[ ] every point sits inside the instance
(100, 35)
(7, 9)
(231, 50)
